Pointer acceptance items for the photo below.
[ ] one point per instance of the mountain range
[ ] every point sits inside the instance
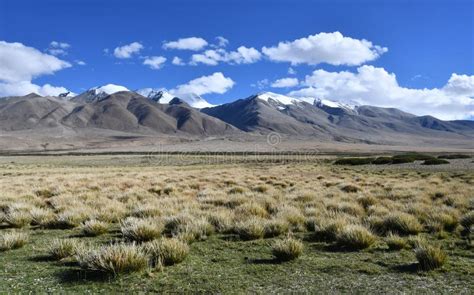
(155, 112)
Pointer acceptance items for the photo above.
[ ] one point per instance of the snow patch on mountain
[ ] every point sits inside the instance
(282, 100)
(156, 94)
(109, 89)
(196, 101)
(160, 95)
(99, 92)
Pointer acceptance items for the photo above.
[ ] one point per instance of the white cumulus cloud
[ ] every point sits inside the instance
(285, 83)
(212, 57)
(155, 62)
(177, 61)
(22, 63)
(58, 48)
(331, 48)
(221, 41)
(19, 64)
(375, 86)
(26, 87)
(215, 83)
(127, 51)
(261, 84)
(191, 43)
(460, 84)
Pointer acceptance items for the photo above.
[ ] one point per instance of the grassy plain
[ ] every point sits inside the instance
(195, 223)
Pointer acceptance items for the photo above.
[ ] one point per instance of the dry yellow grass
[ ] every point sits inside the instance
(352, 208)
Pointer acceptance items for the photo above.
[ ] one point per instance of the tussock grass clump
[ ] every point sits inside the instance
(45, 193)
(350, 208)
(114, 259)
(222, 221)
(144, 211)
(355, 237)
(141, 230)
(251, 208)
(18, 218)
(188, 228)
(293, 216)
(198, 230)
(429, 257)
(64, 248)
(329, 229)
(237, 190)
(275, 228)
(250, 229)
(395, 242)
(366, 201)
(12, 240)
(467, 220)
(448, 222)
(166, 251)
(40, 216)
(350, 188)
(399, 223)
(262, 188)
(93, 228)
(68, 219)
(287, 249)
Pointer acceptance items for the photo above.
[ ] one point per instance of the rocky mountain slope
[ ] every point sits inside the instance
(269, 112)
(111, 110)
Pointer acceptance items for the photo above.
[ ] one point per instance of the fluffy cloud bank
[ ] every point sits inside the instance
(20, 64)
(155, 62)
(127, 51)
(243, 55)
(375, 86)
(331, 48)
(26, 87)
(215, 83)
(285, 82)
(191, 43)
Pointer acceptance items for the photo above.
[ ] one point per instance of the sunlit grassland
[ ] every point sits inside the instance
(192, 223)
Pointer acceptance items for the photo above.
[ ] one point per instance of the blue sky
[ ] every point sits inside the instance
(426, 42)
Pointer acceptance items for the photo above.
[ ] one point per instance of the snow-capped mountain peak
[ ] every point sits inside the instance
(333, 104)
(109, 89)
(279, 98)
(195, 100)
(160, 95)
(284, 100)
(156, 94)
(99, 92)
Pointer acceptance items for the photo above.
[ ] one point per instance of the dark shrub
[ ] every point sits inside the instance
(353, 161)
(382, 161)
(410, 158)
